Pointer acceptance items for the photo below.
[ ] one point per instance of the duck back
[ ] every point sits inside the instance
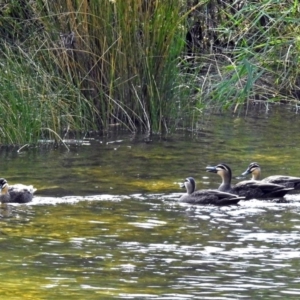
(20, 193)
(210, 197)
(260, 190)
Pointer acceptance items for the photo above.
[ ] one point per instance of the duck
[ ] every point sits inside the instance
(17, 193)
(288, 181)
(250, 189)
(206, 197)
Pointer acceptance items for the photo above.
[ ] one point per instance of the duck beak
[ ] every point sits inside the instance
(211, 169)
(246, 172)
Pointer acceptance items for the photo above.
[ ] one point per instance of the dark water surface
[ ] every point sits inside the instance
(105, 223)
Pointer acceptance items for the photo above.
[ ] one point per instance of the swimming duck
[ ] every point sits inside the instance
(248, 188)
(287, 181)
(206, 197)
(17, 193)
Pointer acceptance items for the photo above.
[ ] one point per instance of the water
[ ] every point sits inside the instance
(105, 223)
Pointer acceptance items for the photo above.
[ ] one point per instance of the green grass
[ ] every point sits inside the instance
(259, 56)
(89, 65)
(33, 101)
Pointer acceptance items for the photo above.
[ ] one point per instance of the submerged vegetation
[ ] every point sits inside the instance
(145, 65)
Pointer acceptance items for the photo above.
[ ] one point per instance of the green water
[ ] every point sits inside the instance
(105, 223)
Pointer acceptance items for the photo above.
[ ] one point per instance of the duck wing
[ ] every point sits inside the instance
(211, 197)
(259, 189)
(20, 193)
(287, 181)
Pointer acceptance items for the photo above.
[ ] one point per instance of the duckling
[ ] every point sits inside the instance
(248, 188)
(18, 193)
(287, 181)
(206, 197)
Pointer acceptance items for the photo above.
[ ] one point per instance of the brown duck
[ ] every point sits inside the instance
(206, 197)
(288, 181)
(18, 193)
(249, 189)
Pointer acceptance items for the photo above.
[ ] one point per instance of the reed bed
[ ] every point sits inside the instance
(79, 65)
(122, 55)
(252, 54)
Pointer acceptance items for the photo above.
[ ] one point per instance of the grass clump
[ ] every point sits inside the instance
(90, 64)
(34, 103)
(144, 65)
(251, 53)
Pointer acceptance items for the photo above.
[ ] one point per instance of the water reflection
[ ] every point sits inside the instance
(106, 223)
(160, 249)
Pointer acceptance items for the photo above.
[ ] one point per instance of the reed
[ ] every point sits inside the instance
(123, 55)
(87, 65)
(32, 99)
(252, 56)
(81, 65)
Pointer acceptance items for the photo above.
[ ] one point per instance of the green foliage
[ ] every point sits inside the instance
(34, 103)
(122, 54)
(79, 65)
(257, 53)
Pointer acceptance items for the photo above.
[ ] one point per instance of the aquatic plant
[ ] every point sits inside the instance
(251, 53)
(69, 66)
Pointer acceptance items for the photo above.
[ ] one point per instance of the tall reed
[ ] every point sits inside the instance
(86, 64)
(79, 65)
(34, 100)
(123, 55)
(252, 53)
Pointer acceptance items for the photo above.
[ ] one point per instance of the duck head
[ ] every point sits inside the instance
(224, 172)
(253, 169)
(3, 186)
(221, 169)
(189, 184)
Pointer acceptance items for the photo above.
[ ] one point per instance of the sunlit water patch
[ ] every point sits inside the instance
(142, 247)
